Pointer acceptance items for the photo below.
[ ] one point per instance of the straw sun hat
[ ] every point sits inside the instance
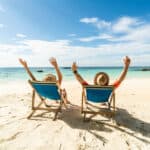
(50, 78)
(101, 78)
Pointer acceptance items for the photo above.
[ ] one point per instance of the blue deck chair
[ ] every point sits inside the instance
(93, 95)
(45, 90)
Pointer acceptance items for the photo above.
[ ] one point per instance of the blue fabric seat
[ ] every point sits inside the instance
(98, 95)
(49, 91)
(93, 96)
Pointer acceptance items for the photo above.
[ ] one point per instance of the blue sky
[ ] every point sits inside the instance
(91, 32)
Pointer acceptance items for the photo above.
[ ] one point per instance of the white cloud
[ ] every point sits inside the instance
(140, 34)
(11, 48)
(37, 53)
(41, 50)
(96, 22)
(88, 39)
(89, 20)
(72, 35)
(39, 46)
(123, 29)
(105, 36)
(93, 38)
(125, 24)
(103, 24)
(20, 35)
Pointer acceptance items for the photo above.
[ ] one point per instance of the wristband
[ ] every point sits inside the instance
(75, 72)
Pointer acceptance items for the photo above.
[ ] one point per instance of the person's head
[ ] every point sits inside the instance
(101, 78)
(50, 78)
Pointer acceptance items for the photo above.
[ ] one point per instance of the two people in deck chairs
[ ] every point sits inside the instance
(49, 77)
(101, 78)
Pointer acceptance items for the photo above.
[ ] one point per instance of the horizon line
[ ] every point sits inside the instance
(69, 66)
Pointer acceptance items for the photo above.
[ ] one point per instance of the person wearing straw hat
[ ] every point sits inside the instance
(102, 78)
(49, 77)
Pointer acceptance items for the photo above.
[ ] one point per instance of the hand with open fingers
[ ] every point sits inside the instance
(23, 62)
(127, 60)
(53, 61)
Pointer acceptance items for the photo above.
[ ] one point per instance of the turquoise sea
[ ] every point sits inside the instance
(19, 74)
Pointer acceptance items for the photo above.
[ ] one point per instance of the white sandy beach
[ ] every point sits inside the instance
(129, 130)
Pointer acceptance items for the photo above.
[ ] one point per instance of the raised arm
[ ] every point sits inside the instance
(125, 69)
(59, 74)
(24, 64)
(77, 75)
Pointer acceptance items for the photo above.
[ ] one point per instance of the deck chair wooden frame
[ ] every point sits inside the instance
(45, 106)
(109, 110)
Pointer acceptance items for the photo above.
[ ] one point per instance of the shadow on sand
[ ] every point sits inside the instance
(121, 122)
